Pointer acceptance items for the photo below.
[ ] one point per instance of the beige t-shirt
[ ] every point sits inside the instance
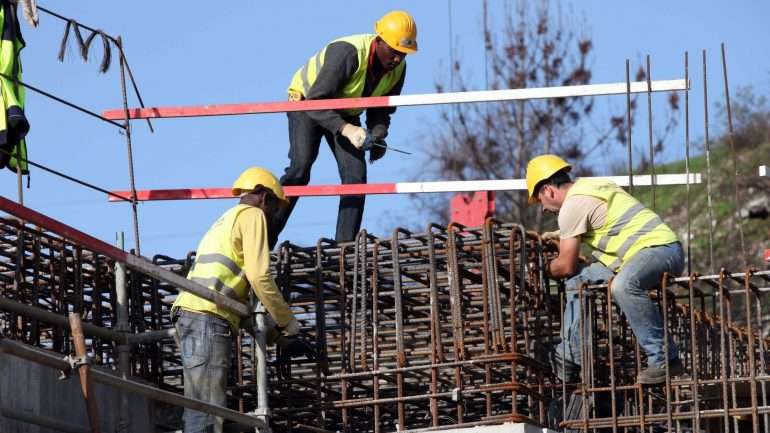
(580, 214)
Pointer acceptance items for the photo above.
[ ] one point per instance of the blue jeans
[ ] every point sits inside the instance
(205, 342)
(630, 292)
(304, 143)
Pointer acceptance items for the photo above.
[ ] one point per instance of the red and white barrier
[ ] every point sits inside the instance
(391, 188)
(396, 101)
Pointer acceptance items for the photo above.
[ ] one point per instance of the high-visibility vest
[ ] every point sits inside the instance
(13, 123)
(218, 268)
(628, 227)
(305, 76)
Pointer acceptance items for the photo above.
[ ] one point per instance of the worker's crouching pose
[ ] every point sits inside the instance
(232, 256)
(634, 248)
(350, 67)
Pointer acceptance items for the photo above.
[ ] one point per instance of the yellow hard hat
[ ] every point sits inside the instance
(398, 30)
(253, 177)
(541, 168)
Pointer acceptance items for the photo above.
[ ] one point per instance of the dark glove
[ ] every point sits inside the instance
(380, 132)
(292, 347)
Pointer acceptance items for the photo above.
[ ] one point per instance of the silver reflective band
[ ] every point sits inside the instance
(619, 224)
(214, 283)
(407, 42)
(222, 260)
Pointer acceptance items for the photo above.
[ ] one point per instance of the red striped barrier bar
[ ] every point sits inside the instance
(137, 263)
(389, 188)
(395, 101)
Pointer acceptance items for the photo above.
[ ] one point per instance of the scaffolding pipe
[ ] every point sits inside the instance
(122, 325)
(54, 361)
(86, 385)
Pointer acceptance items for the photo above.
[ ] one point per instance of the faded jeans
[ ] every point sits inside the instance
(630, 287)
(205, 344)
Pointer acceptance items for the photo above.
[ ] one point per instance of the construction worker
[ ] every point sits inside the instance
(634, 248)
(231, 257)
(13, 122)
(349, 67)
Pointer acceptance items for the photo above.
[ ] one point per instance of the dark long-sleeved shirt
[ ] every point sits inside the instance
(340, 62)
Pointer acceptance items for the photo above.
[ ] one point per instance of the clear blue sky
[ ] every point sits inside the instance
(190, 53)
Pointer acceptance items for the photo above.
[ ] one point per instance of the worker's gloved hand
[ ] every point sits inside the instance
(550, 236)
(379, 132)
(291, 329)
(292, 347)
(355, 134)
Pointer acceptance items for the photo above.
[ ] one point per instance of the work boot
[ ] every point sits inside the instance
(657, 374)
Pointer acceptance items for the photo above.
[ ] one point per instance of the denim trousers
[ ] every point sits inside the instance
(630, 287)
(304, 143)
(205, 344)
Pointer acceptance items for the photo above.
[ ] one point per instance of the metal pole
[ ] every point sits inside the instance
(122, 325)
(127, 129)
(262, 410)
(86, 386)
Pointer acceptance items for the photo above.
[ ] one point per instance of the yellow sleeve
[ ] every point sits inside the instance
(250, 233)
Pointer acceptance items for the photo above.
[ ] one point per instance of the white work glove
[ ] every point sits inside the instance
(550, 236)
(356, 134)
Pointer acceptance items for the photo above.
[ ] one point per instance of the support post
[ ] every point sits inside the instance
(82, 366)
(122, 325)
(262, 412)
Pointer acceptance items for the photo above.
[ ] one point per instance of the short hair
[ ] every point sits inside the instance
(558, 179)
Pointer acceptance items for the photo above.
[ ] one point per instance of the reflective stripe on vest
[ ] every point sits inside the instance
(628, 227)
(305, 76)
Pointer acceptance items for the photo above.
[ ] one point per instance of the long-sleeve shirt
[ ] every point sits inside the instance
(249, 239)
(340, 62)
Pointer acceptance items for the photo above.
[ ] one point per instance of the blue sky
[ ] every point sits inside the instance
(192, 53)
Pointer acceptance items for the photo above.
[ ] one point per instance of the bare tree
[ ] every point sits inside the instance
(537, 47)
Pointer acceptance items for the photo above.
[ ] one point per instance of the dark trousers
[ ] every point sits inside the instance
(304, 141)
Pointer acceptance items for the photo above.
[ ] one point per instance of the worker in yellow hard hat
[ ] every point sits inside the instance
(349, 67)
(633, 248)
(231, 257)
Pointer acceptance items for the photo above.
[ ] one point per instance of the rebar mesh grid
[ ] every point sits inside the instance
(429, 330)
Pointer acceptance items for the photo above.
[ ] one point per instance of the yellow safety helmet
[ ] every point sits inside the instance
(398, 30)
(542, 168)
(253, 177)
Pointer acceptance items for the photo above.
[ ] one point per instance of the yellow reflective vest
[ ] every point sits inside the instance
(305, 76)
(628, 227)
(219, 268)
(13, 123)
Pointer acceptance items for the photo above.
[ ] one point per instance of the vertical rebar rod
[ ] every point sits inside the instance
(687, 157)
(707, 149)
(666, 336)
(628, 129)
(694, 353)
(262, 410)
(610, 343)
(649, 134)
(752, 360)
(127, 131)
(737, 223)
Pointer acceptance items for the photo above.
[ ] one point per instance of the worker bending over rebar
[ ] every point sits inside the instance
(232, 256)
(634, 248)
(349, 67)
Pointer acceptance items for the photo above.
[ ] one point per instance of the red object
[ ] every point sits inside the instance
(253, 108)
(290, 191)
(471, 210)
(767, 255)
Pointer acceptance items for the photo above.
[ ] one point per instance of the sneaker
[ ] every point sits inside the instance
(657, 375)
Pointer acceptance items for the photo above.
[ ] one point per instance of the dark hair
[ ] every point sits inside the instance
(557, 179)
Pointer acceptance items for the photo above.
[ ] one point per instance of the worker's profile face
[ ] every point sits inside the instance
(547, 196)
(388, 57)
